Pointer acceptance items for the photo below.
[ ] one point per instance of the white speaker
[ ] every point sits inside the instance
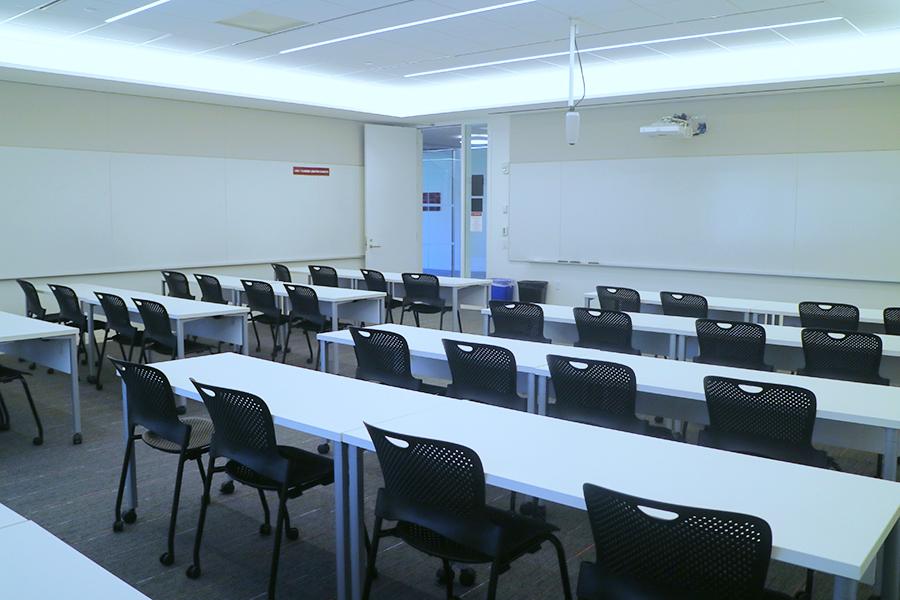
(573, 127)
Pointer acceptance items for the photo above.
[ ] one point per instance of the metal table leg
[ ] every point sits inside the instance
(341, 520)
(356, 524)
(76, 398)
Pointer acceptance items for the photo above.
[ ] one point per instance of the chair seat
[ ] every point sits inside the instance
(190, 347)
(51, 317)
(8, 374)
(429, 308)
(201, 435)
(392, 303)
(127, 339)
(307, 470)
(266, 319)
(757, 446)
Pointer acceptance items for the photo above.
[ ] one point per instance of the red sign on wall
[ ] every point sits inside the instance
(315, 171)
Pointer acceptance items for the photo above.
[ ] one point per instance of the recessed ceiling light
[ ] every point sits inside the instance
(456, 15)
(625, 45)
(136, 10)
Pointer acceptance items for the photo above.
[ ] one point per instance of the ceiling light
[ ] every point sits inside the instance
(464, 13)
(43, 6)
(626, 45)
(136, 10)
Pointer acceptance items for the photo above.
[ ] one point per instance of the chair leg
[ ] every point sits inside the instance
(402, 314)
(309, 345)
(416, 317)
(370, 562)
(169, 556)
(274, 342)
(459, 320)
(279, 530)
(194, 570)
(100, 358)
(287, 341)
(492, 583)
(448, 578)
(512, 502)
(4, 415)
(37, 420)
(118, 525)
(256, 333)
(441, 321)
(200, 468)
(563, 569)
(291, 533)
(389, 314)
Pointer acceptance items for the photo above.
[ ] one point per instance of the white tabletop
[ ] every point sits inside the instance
(392, 277)
(9, 517)
(844, 401)
(178, 308)
(35, 565)
(325, 293)
(826, 520)
(16, 327)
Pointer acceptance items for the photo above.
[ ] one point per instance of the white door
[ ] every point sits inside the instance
(393, 188)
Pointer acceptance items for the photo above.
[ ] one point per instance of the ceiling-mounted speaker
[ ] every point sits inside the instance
(573, 127)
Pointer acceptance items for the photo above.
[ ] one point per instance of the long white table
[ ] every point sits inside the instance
(850, 415)
(49, 344)
(9, 517)
(460, 291)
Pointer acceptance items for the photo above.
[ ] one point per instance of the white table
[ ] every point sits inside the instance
(850, 415)
(9, 517)
(831, 522)
(49, 344)
(36, 565)
(460, 291)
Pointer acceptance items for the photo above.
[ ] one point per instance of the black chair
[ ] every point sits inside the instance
(33, 306)
(376, 282)
(518, 321)
(844, 317)
(282, 273)
(264, 309)
(305, 314)
(732, 344)
(158, 336)
(621, 299)
(245, 436)
(532, 291)
(322, 275)
(383, 356)
(684, 305)
(847, 355)
(422, 295)
(892, 320)
(599, 393)
(699, 554)
(8, 375)
(435, 492)
(118, 320)
(70, 314)
(608, 330)
(210, 289)
(151, 406)
(483, 373)
(177, 284)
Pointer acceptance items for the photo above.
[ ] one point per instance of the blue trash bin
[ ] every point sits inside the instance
(502, 289)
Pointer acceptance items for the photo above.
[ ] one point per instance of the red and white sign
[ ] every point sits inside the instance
(314, 171)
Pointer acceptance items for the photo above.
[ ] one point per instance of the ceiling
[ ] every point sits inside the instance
(186, 44)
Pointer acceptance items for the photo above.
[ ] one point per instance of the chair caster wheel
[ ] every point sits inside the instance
(193, 572)
(38, 441)
(467, 576)
(309, 361)
(118, 526)
(166, 559)
(32, 366)
(441, 576)
(91, 379)
(292, 533)
(50, 371)
(130, 516)
(76, 439)
(324, 448)
(227, 488)
(265, 529)
(181, 409)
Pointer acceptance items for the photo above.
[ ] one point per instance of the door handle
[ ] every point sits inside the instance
(372, 244)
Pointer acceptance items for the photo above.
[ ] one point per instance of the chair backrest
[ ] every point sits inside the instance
(420, 287)
(731, 343)
(118, 318)
(243, 430)
(282, 273)
(260, 297)
(210, 289)
(892, 320)
(849, 355)
(375, 281)
(688, 552)
(304, 303)
(600, 392)
(829, 316)
(322, 275)
(151, 402)
(69, 305)
(781, 413)
(623, 299)
(178, 285)
(603, 329)
(383, 356)
(33, 307)
(684, 305)
(482, 372)
(518, 320)
(157, 326)
(532, 291)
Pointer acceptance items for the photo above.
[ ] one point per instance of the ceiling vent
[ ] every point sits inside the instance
(256, 20)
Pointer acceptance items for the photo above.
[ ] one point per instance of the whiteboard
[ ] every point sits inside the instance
(818, 215)
(71, 212)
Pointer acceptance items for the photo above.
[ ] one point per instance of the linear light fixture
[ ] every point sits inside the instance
(43, 6)
(136, 10)
(626, 45)
(456, 15)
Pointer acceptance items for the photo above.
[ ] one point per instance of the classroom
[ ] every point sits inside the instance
(450, 299)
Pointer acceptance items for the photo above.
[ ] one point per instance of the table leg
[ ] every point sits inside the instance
(323, 356)
(90, 342)
(131, 497)
(673, 346)
(531, 404)
(682, 347)
(542, 393)
(889, 464)
(76, 398)
(890, 572)
(486, 324)
(341, 520)
(162, 288)
(335, 326)
(454, 294)
(356, 524)
(245, 335)
(844, 588)
(179, 341)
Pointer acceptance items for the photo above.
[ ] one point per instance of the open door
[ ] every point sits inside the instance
(393, 202)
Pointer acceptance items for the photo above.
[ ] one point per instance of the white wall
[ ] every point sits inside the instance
(834, 121)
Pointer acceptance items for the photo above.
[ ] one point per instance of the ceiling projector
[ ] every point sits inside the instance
(681, 126)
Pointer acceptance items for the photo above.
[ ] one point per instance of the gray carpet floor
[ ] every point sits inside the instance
(70, 490)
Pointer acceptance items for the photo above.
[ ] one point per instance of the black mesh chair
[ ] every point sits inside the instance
(698, 554)
(33, 306)
(376, 282)
(245, 436)
(892, 320)
(435, 492)
(532, 291)
(483, 373)
(847, 355)
(844, 317)
(684, 305)
(322, 275)
(732, 344)
(621, 299)
(282, 273)
(305, 315)
(264, 309)
(422, 296)
(599, 393)
(158, 336)
(210, 289)
(8, 375)
(177, 284)
(151, 406)
(608, 330)
(383, 356)
(118, 320)
(518, 321)
(70, 314)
